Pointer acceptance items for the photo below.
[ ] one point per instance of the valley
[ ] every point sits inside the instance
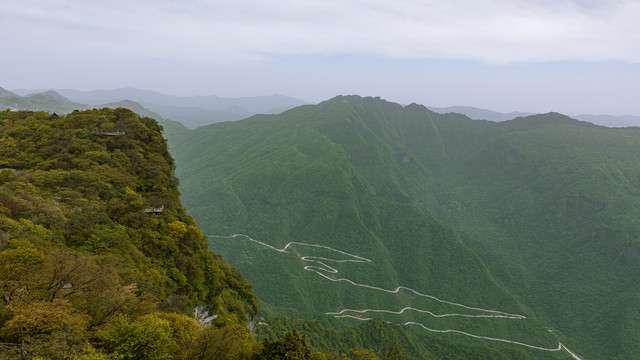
(322, 269)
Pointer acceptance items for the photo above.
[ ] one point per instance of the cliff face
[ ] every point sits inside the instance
(92, 230)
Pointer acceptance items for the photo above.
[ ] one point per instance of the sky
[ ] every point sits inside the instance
(570, 56)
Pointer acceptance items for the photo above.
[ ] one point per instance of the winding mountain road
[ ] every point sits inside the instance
(321, 268)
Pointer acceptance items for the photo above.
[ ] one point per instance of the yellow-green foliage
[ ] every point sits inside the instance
(153, 336)
(79, 251)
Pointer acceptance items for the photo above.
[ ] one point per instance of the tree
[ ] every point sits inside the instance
(154, 336)
(67, 273)
(392, 350)
(145, 338)
(292, 346)
(232, 342)
(48, 328)
(17, 265)
(366, 354)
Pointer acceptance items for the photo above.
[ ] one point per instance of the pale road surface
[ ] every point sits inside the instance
(324, 268)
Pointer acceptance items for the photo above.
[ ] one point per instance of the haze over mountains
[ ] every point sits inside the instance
(195, 111)
(484, 114)
(479, 114)
(191, 111)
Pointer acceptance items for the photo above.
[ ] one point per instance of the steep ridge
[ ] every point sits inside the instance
(541, 207)
(93, 236)
(560, 201)
(330, 175)
(548, 202)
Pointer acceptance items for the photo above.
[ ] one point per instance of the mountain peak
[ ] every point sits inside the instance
(53, 94)
(4, 93)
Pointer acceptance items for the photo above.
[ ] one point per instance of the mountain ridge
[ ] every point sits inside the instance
(485, 114)
(192, 111)
(97, 254)
(4, 93)
(196, 111)
(371, 211)
(501, 186)
(480, 114)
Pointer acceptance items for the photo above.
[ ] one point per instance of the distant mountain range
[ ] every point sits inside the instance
(479, 114)
(191, 111)
(610, 120)
(484, 114)
(49, 101)
(196, 111)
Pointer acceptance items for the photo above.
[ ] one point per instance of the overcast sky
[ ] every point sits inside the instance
(580, 56)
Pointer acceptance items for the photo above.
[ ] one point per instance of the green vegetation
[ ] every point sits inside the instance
(98, 259)
(533, 216)
(530, 219)
(390, 341)
(4, 92)
(97, 254)
(52, 102)
(48, 101)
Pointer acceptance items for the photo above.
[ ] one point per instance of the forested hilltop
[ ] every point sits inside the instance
(98, 259)
(97, 254)
(357, 209)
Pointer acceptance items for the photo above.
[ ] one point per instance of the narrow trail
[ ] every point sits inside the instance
(322, 269)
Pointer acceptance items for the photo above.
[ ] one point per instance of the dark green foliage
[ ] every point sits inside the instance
(292, 346)
(393, 341)
(534, 216)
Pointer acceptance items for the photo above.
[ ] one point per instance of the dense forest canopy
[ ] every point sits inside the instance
(98, 259)
(94, 242)
(532, 216)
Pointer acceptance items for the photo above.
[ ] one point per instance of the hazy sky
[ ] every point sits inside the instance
(580, 56)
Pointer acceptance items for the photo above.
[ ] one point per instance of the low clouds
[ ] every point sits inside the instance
(491, 31)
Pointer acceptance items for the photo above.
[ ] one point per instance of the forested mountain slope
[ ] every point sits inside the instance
(47, 101)
(96, 249)
(533, 216)
(4, 92)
